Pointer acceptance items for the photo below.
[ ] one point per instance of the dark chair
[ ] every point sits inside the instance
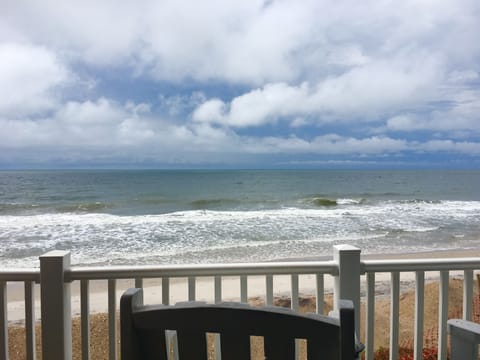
(146, 330)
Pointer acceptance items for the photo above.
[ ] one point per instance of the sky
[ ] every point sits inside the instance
(240, 84)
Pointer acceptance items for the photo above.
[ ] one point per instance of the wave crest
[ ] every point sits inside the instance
(91, 207)
(324, 202)
(212, 203)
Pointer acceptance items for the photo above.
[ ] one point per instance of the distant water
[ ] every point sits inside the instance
(146, 217)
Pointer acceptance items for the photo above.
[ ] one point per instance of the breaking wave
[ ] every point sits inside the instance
(204, 235)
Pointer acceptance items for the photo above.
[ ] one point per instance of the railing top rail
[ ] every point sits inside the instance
(408, 265)
(271, 268)
(263, 268)
(20, 274)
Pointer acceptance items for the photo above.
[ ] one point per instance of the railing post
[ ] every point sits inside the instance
(347, 282)
(55, 306)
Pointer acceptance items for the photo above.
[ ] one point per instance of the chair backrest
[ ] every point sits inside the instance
(146, 331)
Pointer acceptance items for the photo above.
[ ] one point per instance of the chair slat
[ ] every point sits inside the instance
(235, 347)
(279, 347)
(192, 345)
(315, 350)
(157, 349)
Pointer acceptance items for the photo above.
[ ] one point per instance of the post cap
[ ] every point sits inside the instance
(55, 254)
(346, 247)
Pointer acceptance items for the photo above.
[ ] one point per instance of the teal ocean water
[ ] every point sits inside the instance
(160, 217)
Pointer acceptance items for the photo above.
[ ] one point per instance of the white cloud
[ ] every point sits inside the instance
(210, 111)
(266, 105)
(239, 41)
(106, 130)
(29, 76)
(333, 144)
(102, 123)
(404, 122)
(103, 33)
(246, 41)
(255, 108)
(459, 119)
(367, 92)
(377, 67)
(461, 76)
(463, 147)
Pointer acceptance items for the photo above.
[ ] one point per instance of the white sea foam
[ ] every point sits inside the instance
(349, 201)
(208, 236)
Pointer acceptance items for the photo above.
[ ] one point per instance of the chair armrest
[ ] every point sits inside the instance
(467, 330)
(464, 339)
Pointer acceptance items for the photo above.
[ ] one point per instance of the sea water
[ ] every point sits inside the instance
(207, 216)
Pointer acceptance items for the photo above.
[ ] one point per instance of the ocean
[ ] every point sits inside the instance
(209, 216)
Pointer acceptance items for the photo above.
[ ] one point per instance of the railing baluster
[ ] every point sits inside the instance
(85, 318)
(30, 319)
(467, 294)
(3, 321)
(370, 317)
(138, 282)
(294, 284)
(218, 289)
(166, 291)
(419, 316)
(191, 289)
(394, 314)
(269, 290)
(112, 319)
(320, 293)
(244, 288)
(443, 315)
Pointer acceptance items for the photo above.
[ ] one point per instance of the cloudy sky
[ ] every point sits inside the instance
(240, 83)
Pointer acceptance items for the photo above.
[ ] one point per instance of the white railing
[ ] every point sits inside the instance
(419, 267)
(29, 277)
(348, 271)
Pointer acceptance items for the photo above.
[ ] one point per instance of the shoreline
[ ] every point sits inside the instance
(427, 254)
(98, 294)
